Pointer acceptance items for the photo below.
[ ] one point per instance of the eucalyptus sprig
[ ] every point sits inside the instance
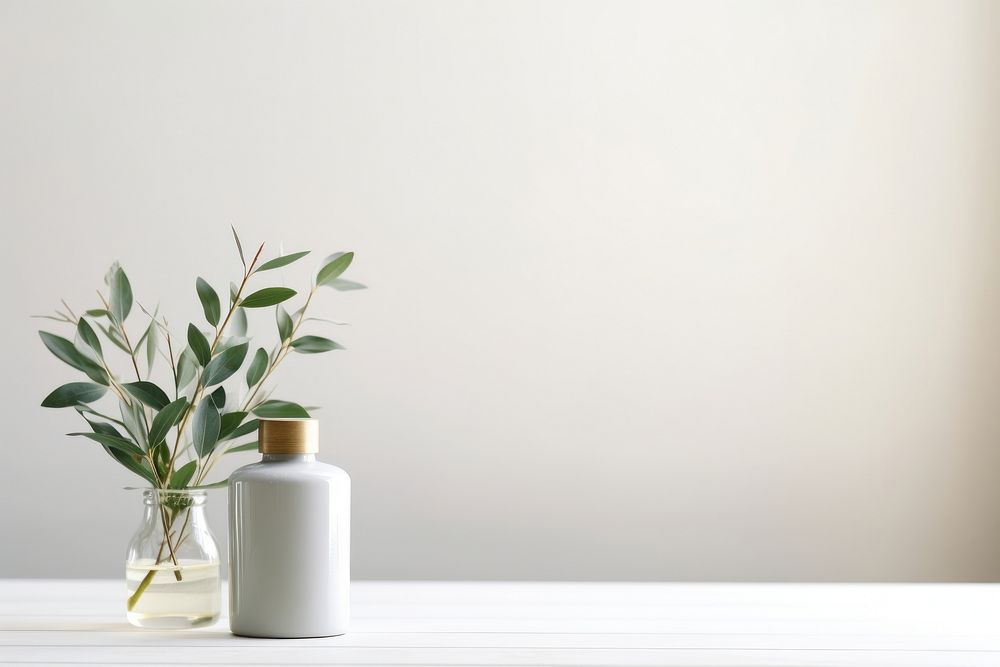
(172, 438)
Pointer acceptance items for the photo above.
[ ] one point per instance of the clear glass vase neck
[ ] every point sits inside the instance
(182, 497)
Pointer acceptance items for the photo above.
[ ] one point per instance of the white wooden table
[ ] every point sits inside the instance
(424, 623)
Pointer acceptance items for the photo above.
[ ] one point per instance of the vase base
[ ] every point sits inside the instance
(173, 622)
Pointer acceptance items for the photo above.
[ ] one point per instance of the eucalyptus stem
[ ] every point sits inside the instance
(282, 353)
(187, 413)
(170, 547)
(150, 457)
(131, 354)
(148, 579)
(131, 350)
(173, 365)
(143, 585)
(195, 414)
(199, 388)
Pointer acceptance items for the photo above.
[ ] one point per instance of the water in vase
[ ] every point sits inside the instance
(166, 603)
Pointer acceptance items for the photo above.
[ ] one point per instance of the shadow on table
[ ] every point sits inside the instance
(81, 624)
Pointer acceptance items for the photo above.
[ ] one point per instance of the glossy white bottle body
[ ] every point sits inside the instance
(289, 548)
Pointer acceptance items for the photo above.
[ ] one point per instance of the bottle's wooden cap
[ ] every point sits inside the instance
(288, 436)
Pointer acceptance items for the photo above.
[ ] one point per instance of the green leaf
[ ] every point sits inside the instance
(121, 295)
(243, 429)
(209, 301)
(342, 285)
(88, 352)
(142, 338)
(63, 349)
(89, 337)
(67, 352)
(238, 323)
(134, 419)
(199, 345)
(315, 344)
(180, 479)
(284, 323)
(82, 408)
(165, 420)
(101, 427)
(257, 367)
(227, 342)
(187, 365)
(278, 262)
(221, 484)
(224, 364)
(110, 275)
(219, 397)
(336, 265)
(133, 462)
(114, 337)
(113, 441)
(242, 448)
(161, 459)
(152, 339)
(205, 427)
(280, 409)
(230, 422)
(98, 312)
(148, 393)
(239, 246)
(267, 297)
(68, 395)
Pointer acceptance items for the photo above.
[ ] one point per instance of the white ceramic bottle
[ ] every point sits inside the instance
(289, 538)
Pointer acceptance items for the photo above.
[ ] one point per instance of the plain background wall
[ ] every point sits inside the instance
(690, 290)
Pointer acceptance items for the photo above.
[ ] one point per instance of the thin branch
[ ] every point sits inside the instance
(61, 318)
(68, 309)
(282, 353)
(173, 367)
(199, 388)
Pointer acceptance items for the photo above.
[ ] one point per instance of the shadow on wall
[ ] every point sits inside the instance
(977, 482)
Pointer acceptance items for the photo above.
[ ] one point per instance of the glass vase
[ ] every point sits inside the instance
(172, 565)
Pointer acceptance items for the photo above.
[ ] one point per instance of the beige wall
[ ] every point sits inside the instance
(659, 291)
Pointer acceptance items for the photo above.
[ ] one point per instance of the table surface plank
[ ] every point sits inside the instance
(496, 623)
